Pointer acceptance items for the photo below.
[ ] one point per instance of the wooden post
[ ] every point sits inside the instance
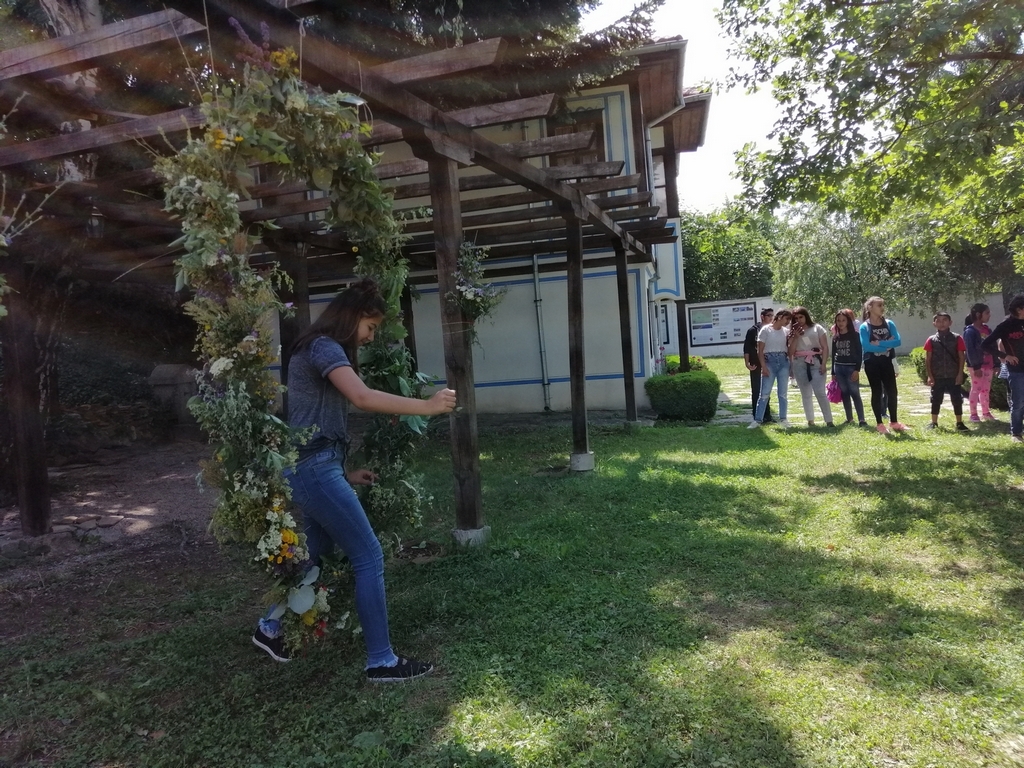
(625, 330)
(582, 459)
(21, 388)
(684, 336)
(457, 338)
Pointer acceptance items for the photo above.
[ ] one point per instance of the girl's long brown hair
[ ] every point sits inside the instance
(851, 321)
(340, 321)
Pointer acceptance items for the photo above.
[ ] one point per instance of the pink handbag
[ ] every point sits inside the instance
(832, 391)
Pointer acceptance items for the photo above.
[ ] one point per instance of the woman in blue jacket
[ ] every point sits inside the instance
(879, 339)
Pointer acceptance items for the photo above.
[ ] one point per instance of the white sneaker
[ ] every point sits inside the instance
(783, 424)
(754, 425)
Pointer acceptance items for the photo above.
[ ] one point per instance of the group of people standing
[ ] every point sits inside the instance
(789, 344)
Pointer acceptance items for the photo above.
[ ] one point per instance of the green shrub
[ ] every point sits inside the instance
(917, 357)
(689, 396)
(696, 363)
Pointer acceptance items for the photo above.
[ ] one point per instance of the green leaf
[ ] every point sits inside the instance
(322, 178)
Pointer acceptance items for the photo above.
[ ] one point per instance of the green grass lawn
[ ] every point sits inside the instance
(706, 597)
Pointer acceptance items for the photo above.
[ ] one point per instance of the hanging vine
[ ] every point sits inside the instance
(268, 116)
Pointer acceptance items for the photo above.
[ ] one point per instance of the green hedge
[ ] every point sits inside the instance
(688, 396)
(696, 363)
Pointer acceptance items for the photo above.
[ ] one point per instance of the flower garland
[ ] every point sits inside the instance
(472, 294)
(268, 116)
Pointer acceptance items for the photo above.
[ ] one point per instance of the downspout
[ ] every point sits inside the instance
(545, 382)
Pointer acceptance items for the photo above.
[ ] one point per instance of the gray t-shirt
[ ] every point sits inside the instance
(313, 401)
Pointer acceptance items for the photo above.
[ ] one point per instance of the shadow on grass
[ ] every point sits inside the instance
(582, 637)
(962, 497)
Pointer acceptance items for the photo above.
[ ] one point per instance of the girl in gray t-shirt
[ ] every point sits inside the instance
(323, 379)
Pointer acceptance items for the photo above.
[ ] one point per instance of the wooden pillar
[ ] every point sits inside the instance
(21, 388)
(457, 339)
(625, 330)
(582, 459)
(684, 336)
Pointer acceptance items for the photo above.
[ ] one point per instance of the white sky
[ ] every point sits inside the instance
(735, 118)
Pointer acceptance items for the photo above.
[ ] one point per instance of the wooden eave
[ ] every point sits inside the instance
(138, 234)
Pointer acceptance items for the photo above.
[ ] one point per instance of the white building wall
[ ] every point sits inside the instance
(507, 358)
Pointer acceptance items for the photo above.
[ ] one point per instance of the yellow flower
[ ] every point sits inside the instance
(238, 139)
(309, 617)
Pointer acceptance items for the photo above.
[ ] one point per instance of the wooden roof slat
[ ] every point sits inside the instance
(494, 180)
(86, 141)
(437, 64)
(525, 198)
(61, 55)
(385, 132)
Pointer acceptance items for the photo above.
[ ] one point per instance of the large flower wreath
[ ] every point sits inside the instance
(268, 116)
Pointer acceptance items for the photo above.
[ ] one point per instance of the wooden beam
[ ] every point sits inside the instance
(384, 132)
(438, 64)
(21, 391)
(86, 141)
(457, 338)
(582, 459)
(71, 53)
(495, 180)
(397, 105)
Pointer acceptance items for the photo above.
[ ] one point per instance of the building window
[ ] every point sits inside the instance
(579, 122)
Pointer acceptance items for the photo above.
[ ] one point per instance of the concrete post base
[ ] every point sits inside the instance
(581, 462)
(474, 537)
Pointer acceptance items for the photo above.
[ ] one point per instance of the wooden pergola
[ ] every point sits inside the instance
(515, 207)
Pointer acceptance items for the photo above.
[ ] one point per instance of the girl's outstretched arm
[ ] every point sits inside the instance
(362, 397)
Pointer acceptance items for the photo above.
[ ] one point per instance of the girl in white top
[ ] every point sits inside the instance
(808, 342)
(774, 359)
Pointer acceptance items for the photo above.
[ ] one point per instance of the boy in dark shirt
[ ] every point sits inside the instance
(1011, 333)
(753, 362)
(945, 354)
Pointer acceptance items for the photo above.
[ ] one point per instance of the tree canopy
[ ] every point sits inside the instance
(915, 102)
(727, 254)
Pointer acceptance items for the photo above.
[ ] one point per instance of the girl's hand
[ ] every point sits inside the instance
(821, 370)
(442, 401)
(1010, 360)
(855, 376)
(361, 477)
(765, 373)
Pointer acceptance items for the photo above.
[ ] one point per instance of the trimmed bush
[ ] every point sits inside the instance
(688, 396)
(917, 357)
(696, 363)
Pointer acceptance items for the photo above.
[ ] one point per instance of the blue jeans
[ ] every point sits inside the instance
(332, 514)
(1016, 386)
(850, 389)
(778, 371)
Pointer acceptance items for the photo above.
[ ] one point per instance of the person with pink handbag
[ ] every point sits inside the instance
(846, 361)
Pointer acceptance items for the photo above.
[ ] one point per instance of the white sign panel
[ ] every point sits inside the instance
(723, 324)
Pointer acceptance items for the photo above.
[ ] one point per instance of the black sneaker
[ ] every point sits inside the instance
(403, 671)
(274, 646)
(961, 427)
(931, 425)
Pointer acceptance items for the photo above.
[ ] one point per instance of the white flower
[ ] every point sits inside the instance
(221, 365)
